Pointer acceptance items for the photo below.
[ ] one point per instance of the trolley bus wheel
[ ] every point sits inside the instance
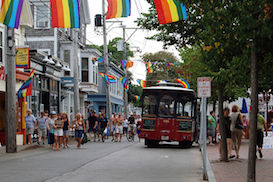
(185, 144)
(151, 143)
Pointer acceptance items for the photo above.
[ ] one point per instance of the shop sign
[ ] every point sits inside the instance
(22, 57)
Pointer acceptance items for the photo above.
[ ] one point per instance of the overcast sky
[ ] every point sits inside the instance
(137, 40)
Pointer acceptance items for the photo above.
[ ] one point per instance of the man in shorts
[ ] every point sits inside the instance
(119, 128)
(41, 125)
(113, 126)
(92, 125)
(211, 126)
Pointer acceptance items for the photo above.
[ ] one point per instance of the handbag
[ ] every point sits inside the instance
(238, 123)
(84, 139)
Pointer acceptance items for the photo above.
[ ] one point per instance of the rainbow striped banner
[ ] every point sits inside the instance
(183, 82)
(11, 12)
(65, 13)
(161, 81)
(100, 60)
(123, 81)
(169, 11)
(27, 84)
(142, 83)
(126, 88)
(149, 67)
(118, 8)
(109, 78)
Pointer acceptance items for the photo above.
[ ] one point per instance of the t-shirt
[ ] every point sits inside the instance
(260, 123)
(125, 124)
(103, 122)
(50, 122)
(30, 121)
(213, 124)
(131, 120)
(41, 123)
(227, 125)
(92, 120)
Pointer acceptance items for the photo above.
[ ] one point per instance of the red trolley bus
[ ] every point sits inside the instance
(168, 114)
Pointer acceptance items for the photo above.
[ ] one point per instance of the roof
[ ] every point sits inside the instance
(168, 86)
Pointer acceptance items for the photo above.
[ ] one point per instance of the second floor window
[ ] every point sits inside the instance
(42, 16)
(85, 75)
(67, 56)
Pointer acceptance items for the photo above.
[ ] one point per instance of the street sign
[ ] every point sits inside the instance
(204, 87)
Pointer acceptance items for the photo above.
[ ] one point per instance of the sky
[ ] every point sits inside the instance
(136, 41)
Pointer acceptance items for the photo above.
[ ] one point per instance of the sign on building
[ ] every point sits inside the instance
(22, 57)
(204, 87)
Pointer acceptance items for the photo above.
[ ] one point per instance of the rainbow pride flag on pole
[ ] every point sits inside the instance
(142, 83)
(137, 97)
(169, 11)
(183, 82)
(65, 13)
(108, 78)
(27, 84)
(118, 8)
(11, 12)
(124, 81)
(149, 67)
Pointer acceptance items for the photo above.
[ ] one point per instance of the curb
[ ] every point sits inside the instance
(210, 173)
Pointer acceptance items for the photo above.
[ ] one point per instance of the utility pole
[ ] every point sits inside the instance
(76, 73)
(10, 100)
(106, 63)
(125, 58)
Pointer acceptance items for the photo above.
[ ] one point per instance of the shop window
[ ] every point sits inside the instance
(85, 72)
(42, 16)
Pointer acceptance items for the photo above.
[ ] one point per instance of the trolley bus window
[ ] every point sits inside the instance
(166, 106)
(184, 107)
(149, 105)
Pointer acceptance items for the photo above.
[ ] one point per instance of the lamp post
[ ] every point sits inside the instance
(266, 97)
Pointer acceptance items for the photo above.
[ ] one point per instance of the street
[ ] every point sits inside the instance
(104, 162)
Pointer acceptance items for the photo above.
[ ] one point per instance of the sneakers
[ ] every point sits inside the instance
(231, 156)
(260, 154)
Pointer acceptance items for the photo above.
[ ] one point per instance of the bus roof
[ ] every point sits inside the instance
(168, 86)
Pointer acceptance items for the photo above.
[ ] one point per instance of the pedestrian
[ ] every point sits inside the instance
(98, 126)
(138, 128)
(132, 123)
(103, 127)
(113, 126)
(65, 129)
(261, 126)
(119, 129)
(245, 122)
(227, 122)
(50, 123)
(211, 126)
(30, 122)
(79, 129)
(41, 125)
(92, 125)
(125, 126)
(236, 128)
(58, 131)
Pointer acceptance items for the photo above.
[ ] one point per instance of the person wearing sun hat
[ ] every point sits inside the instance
(30, 121)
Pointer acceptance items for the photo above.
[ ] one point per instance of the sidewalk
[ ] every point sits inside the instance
(236, 169)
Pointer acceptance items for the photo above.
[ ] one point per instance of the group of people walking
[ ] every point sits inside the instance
(234, 125)
(56, 127)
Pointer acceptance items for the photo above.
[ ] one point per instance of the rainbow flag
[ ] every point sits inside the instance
(171, 64)
(161, 81)
(129, 64)
(149, 67)
(108, 78)
(65, 13)
(118, 8)
(142, 83)
(123, 81)
(169, 11)
(100, 60)
(123, 63)
(183, 82)
(93, 60)
(27, 84)
(137, 97)
(11, 12)
(126, 88)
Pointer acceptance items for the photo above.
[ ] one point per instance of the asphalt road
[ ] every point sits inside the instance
(103, 162)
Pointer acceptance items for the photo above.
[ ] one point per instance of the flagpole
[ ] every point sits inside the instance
(10, 95)
(76, 73)
(106, 64)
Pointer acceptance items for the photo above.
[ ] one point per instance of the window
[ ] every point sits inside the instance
(67, 56)
(166, 105)
(95, 76)
(85, 75)
(42, 14)
(149, 105)
(184, 107)
(1, 47)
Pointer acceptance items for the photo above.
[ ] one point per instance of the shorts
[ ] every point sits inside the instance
(58, 132)
(92, 130)
(78, 133)
(211, 131)
(119, 129)
(42, 132)
(125, 130)
(29, 131)
(50, 138)
(66, 132)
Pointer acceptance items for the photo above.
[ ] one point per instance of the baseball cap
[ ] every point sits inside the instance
(53, 112)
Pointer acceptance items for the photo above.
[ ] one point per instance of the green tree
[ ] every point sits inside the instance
(134, 90)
